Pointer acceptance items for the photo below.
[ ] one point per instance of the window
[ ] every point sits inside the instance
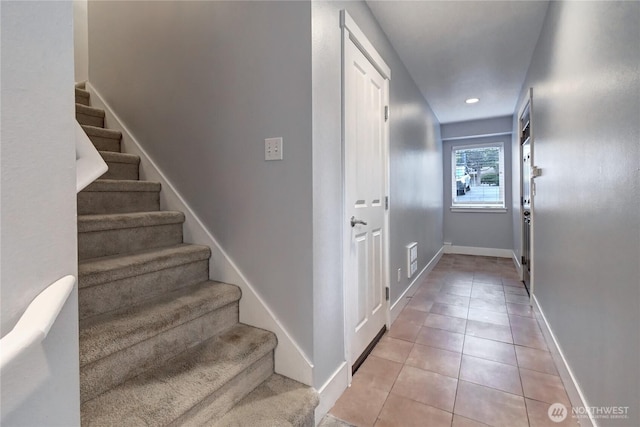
(478, 176)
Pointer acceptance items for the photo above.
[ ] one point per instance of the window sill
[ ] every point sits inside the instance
(478, 209)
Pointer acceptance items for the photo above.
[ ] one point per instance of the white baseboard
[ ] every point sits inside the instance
(517, 264)
(402, 301)
(566, 374)
(290, 360)
(331, 391)
(472, 250)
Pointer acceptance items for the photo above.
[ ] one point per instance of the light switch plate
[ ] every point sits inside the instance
(273, 149)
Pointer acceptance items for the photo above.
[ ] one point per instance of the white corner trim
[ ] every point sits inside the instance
(472, 250)
(360, 40)
(573, 389)
(517, 264)
(401, 302)
(331, 391)
(290, 360)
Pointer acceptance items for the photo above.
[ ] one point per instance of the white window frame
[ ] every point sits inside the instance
(471, 206)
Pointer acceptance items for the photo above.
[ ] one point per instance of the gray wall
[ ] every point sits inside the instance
(38, 200)
(586, 81)
(80, 40)
(415, 174)
(477, 229)
(201, 85)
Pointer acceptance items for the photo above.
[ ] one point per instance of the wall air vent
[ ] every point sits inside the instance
(412, 259)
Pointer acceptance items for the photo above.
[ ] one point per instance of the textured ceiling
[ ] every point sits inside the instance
(456, 50)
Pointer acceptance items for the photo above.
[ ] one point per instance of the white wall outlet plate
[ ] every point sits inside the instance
(273, 149)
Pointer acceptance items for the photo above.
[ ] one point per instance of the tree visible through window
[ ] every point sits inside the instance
(477, 176)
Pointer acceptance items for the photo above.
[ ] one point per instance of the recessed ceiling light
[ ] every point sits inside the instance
(472, 100)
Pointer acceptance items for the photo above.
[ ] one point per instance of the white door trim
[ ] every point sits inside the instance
(528, 103)
(352, 33)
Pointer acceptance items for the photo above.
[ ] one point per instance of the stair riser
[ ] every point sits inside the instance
(109, 296)
(219, 403)
(105, 144)
(121, 171)
(107, 202)
(167, 262)
(82, 100)
(277, 401)
(85, 119)
(121, 241)
(103, 374)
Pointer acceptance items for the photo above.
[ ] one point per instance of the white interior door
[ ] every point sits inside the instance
(366, 94)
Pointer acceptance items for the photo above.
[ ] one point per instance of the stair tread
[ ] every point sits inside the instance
(106, 334)
(81, 92)
(89, 111)
(93, 270)
(113, 157)
(162, 395)
(279, 401)
(122, 185)
(102, 132)
(99, 222)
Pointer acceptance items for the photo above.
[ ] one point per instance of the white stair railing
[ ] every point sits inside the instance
(36, 321)
(39, 317)
(89, 164)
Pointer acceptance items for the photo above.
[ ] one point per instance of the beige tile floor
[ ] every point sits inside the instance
(465, 351)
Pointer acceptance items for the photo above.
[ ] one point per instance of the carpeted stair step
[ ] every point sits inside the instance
(82, 96)
(104, 139)
(106, 196)
(121, 165)
(113, 234)
(118, 346)
(191, 388)
(90, 116)
(115, 282)
(160, 343)
(279, 401)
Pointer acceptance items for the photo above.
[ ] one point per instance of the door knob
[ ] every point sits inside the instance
(355, 221)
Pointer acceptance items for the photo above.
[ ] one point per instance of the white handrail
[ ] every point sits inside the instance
(89, 163)
(36, 321)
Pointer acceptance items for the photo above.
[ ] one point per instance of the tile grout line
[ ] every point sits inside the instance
(524, 399)
(443, 286)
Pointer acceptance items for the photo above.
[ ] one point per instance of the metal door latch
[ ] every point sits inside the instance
(355, 221)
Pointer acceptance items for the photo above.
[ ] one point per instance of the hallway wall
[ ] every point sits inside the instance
(38, 201)
(586, 104)
(477, 229)
(81, 40)
(201, 85)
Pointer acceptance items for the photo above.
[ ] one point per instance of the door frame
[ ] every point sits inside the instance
(351, 33)
(527, 103)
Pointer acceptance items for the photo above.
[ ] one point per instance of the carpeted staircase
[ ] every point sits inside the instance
(160, 343)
